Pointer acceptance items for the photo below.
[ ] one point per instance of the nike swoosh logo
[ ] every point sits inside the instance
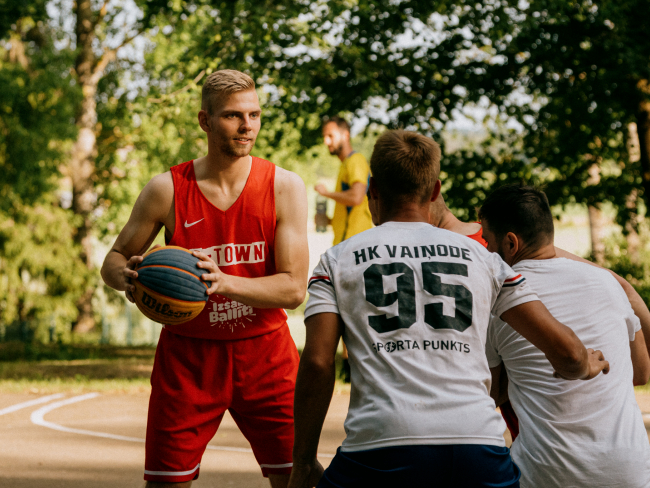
(193, 223)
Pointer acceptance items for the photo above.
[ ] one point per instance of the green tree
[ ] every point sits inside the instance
(571, 75)
(41, 276)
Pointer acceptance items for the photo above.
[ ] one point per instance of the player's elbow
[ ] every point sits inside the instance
(317, 362)
(296, 297)
(641, 374)
(571, 359)
(357, 199)
(105, 272)
(641, 378)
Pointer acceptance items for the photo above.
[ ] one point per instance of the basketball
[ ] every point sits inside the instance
(169, 288)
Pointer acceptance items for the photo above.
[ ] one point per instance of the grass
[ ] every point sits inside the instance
(117, 375)
(121, 371)
(25, 351)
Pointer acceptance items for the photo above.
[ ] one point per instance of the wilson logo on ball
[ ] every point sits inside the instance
(164, 309)
(169, 288)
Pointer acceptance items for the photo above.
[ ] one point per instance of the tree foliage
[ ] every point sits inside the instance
(554, 85)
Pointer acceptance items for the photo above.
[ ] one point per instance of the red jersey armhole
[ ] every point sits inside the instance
(478, 237)
(174, 170)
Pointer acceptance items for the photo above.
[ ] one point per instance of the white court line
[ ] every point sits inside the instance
(30, 403)
(646, 417)
(37, 418)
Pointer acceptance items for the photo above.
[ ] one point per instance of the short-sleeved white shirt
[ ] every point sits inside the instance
(416, 303)
(575, 433)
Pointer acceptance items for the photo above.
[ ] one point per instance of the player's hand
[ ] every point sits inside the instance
(321, 189)
(129, 273)
(596, 364)
(213, 274)
(305, 475)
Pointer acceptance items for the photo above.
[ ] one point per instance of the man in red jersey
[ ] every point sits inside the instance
(246, 219)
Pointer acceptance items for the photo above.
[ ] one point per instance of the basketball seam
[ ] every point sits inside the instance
(194, 277)
(185, 260)
(158, 293)
(161, 286)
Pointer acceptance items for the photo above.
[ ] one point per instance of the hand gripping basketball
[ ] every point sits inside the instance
(168, 285)
(213, 275)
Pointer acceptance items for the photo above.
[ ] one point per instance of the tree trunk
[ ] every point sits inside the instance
(597, 229)
(643, 131)
(632, 201)
(596, 220)
(84, 151)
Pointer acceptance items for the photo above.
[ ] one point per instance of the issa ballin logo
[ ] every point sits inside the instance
(231, 254)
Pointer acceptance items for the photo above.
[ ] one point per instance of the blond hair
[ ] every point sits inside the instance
(405, 166)
(221, 84)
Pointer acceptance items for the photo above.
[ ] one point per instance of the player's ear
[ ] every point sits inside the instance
(512, 244)
(204, 121)
(436, 191)
(372, 189)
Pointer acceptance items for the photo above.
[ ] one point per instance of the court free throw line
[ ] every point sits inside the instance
(37, 418)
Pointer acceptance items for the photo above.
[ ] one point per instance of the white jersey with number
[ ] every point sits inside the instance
(416, 303)
(575, 433)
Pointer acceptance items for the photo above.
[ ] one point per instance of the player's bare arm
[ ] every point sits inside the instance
(637, 303)
(499, 387)
(640, 360)
(349, 198)
(314, 388)
(153, 209)
(566, 353)
(286, 288)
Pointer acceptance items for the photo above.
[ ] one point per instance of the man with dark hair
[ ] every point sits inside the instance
(413, 304)
(587, 434)
(351, 214)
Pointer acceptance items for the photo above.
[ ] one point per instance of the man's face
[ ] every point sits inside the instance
(334, 138)
(235, 123)
(493, 243)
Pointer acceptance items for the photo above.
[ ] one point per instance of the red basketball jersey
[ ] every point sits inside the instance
(478, 237)
(240, 240)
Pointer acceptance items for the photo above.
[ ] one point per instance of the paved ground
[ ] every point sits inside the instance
(35, 455)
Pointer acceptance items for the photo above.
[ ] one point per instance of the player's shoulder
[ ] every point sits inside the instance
(288, 185)
(357, 157)
(285, 179)
(160, 186)
(361, 239)
(462, 240)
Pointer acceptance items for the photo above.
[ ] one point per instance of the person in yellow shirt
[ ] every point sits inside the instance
(351, 213)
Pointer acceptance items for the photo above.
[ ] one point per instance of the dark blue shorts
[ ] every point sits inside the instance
(449, 466)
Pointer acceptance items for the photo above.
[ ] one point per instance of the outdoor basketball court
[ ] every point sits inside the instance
(97, 441)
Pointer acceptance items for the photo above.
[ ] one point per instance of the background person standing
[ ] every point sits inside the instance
(351, 212)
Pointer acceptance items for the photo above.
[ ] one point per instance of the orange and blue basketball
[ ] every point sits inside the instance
(169, 288)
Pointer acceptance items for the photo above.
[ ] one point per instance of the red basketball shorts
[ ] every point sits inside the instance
(193, 383)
